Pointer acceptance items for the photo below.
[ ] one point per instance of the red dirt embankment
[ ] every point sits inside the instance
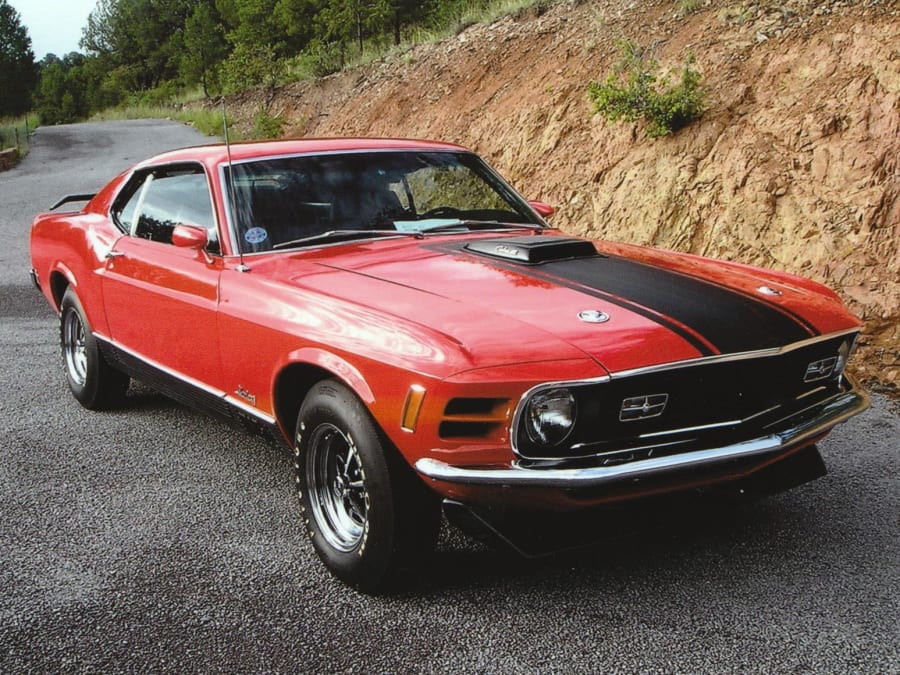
(795, 166)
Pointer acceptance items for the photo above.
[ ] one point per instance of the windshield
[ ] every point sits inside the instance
(292, 201)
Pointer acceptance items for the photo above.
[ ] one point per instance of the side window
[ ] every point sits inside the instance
(173, 197)
(126, 203)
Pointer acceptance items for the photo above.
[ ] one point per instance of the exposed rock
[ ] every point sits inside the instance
(795, 166)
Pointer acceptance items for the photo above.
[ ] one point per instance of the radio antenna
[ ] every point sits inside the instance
(233, 194)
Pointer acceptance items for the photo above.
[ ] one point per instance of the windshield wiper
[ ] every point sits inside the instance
(475, 225)
(340, 235)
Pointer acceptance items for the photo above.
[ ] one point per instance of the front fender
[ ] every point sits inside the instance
(337, 365)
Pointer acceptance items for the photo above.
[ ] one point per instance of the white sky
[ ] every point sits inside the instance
(54, 26)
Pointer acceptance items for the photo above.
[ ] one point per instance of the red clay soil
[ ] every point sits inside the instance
(795, 165)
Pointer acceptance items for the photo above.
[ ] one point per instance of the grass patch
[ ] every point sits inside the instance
(686, 7)
(15, 132)
(207, 122)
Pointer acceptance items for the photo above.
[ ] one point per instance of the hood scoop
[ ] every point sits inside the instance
(533, 250)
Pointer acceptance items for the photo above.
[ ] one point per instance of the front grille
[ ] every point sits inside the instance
(703, 405)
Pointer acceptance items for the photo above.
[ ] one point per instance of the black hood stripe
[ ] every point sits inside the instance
(713, 318)
(732, 321)
(697, 340)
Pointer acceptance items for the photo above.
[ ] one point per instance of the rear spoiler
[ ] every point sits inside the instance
(83, 197)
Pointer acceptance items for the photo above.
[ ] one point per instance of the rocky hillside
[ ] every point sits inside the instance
(796, 164)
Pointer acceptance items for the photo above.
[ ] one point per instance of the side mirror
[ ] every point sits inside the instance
(190, 236)
(544, 210)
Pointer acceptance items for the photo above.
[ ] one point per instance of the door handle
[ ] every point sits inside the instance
(112, 253)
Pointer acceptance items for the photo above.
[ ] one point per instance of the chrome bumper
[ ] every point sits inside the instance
(829, 414)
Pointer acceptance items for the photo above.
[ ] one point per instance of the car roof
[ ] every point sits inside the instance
(218, 153)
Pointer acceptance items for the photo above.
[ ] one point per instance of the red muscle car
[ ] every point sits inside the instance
(418, 335)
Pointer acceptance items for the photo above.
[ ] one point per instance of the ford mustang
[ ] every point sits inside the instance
(420, 337)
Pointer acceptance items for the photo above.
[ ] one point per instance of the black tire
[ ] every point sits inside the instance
(369, 516)
(94, 383)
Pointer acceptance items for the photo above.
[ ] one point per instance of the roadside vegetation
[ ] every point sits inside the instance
(147, 58)
(208, 122)
(15, 132)
(637, 90)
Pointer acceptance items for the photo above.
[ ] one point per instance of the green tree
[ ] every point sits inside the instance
(61, 95)
(18, 73)
(403, 13)
(296, 21)
(204, 47)
(348, 21)
(252, 23)
(142, 39)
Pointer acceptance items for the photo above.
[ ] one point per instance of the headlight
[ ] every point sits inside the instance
(550, 416)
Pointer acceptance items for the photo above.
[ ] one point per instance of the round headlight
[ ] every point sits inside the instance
(550, 416)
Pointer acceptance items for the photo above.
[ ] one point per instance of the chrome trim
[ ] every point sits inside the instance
(701, 427)
(643, 407)
(839, 409)
(349, 151)
(593, 316)
(821, 369)
(615, 451)
(676, 365)
(151, 167)
(234, 239)
(523, 401)
(190, 380)
(723, 358)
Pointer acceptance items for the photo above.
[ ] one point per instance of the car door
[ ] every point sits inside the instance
(160, 299)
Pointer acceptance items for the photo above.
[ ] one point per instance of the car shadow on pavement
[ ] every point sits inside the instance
(639, 538)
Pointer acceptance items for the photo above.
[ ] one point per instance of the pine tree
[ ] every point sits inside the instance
(18, 73)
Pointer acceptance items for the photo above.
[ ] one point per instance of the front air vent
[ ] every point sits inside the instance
(534, 250)
(474, 417)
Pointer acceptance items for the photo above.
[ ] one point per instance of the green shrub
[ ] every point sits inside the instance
(686, 7)
(251, 66)
(635, 91)
(267, 126)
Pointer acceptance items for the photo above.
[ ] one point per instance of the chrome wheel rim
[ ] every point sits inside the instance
(74, 348)
(337, 487)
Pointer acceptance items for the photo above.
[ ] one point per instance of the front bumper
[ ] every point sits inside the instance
(816, 422)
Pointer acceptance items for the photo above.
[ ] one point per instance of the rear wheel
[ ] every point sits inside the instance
(368, 515)
(95, 384)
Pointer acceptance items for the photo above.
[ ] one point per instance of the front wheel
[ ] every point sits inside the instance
(94, 383)
(368, 515)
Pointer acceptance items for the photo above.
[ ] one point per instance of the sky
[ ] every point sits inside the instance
(54, 26)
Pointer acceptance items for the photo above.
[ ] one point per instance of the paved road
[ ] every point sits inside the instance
(155, 538)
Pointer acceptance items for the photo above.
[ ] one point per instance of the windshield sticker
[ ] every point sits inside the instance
(255, 235)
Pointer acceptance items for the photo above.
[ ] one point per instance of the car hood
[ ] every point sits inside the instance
(624, 307)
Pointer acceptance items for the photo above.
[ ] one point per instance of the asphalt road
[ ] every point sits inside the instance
(155, 538)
